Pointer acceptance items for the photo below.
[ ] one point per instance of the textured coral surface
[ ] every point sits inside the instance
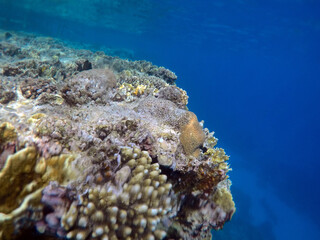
(98, 147)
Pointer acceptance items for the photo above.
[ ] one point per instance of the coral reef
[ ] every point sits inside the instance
(97, 147)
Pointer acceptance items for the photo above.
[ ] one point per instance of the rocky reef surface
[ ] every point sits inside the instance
(98, 147)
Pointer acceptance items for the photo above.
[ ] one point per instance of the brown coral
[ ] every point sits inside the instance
(6, 94)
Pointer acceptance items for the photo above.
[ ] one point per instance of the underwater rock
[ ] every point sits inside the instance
(89, 85)
(7, 35)
(174, 94)
(97, 147)
(6, 95)
(83, 65)
(32, 88)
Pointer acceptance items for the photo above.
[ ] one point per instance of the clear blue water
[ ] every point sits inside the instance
(252, 71)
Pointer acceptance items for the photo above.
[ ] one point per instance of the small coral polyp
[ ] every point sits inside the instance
(97, 147)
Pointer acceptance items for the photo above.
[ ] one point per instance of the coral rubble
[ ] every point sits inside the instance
(98, 147)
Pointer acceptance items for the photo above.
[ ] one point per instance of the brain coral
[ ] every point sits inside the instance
(96, 147)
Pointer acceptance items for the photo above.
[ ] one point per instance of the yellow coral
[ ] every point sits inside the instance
(7, 133)
(223, 198)
(192, 135)
(6, 220)
(217, 155)
(139, 90)
(212, 141)
(22, 180)
(24, 172)
(36, 117)
(57, 168)
(126, 86)
(14, 176)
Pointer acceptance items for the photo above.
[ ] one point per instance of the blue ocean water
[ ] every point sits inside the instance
(251, 69)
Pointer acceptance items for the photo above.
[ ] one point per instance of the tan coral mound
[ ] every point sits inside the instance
(192, 135)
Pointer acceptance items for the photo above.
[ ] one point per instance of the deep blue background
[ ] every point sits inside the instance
(251, 69)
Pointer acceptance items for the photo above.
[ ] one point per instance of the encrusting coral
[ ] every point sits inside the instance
(97, 147)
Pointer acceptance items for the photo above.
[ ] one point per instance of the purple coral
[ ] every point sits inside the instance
(56, 200)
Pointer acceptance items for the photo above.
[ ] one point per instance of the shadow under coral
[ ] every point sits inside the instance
(241, 226)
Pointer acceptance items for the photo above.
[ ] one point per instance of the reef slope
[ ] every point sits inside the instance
(98, 147)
